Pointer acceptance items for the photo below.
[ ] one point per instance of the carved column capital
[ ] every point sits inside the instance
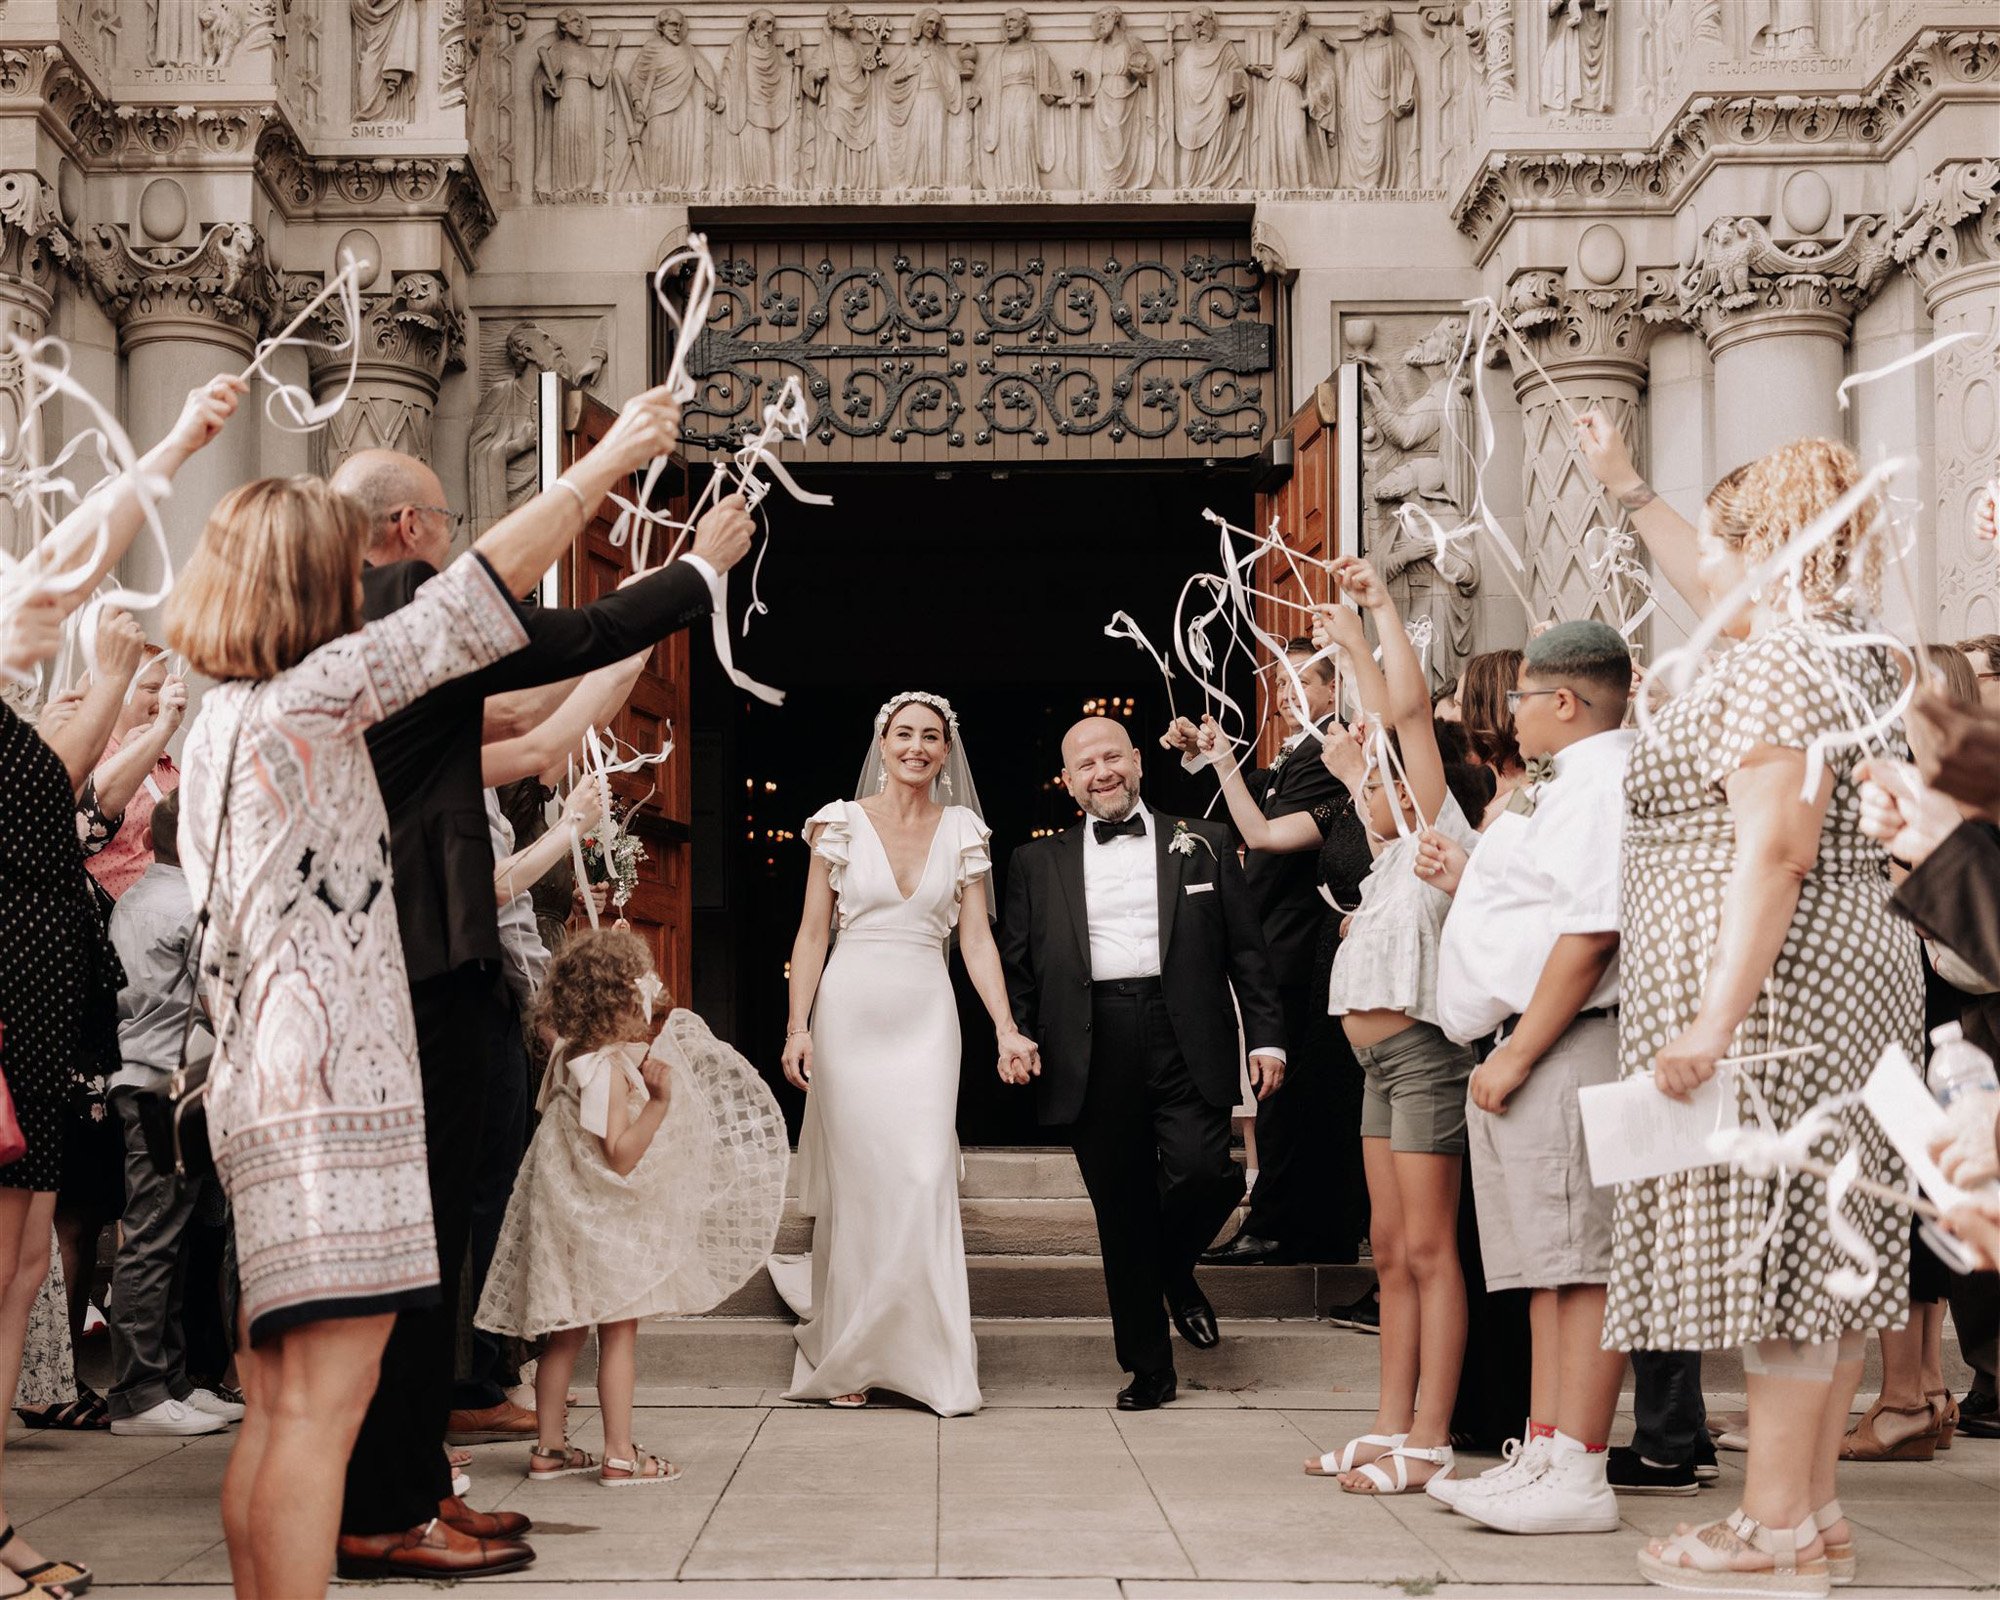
(1951, 237)
(1744, 285)
(1584, 333)
(219, 291)
(33, 240)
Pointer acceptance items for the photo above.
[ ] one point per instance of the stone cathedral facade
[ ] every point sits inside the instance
(1049, 231)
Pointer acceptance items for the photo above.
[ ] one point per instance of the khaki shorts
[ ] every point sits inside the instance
(1541, 1223)
(1413, 1091)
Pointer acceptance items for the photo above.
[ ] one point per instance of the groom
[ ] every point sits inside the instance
(1122, 940)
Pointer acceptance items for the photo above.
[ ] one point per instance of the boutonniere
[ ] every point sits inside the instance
(1185, 839)
(1539, 770)
(1283, 755)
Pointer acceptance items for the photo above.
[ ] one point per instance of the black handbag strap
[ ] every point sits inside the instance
(205, 916)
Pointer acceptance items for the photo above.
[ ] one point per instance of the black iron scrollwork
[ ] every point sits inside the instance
(970, 352)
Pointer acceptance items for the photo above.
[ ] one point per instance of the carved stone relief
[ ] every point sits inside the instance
(1740, 272)
(386, 43)
(859, 106)
(222, 279)
(1575, 55)
(1416, 413)
(501, 462)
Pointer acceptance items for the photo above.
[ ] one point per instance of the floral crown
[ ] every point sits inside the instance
(918, 697)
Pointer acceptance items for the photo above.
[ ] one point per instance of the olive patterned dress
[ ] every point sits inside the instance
(1848, 980)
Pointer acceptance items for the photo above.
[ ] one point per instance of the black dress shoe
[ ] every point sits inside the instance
(1364, 1316)
(1195, 1318)
(1247, 1250)
(1148, 1391)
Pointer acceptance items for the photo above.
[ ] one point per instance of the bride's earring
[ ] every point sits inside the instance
(882, 782)
(944, 784)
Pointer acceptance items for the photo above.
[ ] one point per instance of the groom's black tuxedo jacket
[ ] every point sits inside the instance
(1210, 939)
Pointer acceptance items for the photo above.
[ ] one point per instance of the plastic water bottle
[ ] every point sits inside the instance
(1958, 1066)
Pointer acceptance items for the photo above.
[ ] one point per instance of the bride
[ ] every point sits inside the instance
(884, 1303)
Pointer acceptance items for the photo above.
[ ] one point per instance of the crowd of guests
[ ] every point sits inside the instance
(322, 917)
(323, 913)
(1536, 890)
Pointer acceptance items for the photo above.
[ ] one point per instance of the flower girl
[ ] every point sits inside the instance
(653, 1188)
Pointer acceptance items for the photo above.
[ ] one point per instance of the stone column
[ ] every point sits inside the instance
(1951, 241)
(408, 335)
(1589, 346)
(184, 315)
(1777, 321)
(28, 222)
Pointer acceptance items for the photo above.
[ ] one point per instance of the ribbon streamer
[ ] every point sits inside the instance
(307, 414)
(1856, 379)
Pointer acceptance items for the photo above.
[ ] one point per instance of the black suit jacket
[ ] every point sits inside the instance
(1286, 886)
(427, 755)
(1954, 898)
(1210, 941)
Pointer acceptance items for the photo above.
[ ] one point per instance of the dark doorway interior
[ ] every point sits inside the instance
(991, 590)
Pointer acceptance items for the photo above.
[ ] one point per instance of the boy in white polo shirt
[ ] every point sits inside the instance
(1530, 950)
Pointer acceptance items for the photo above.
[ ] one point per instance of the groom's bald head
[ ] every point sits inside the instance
(1101, 768)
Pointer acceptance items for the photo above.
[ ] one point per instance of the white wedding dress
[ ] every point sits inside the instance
(882, 1299)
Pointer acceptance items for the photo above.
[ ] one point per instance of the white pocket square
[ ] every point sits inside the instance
(1198, 888)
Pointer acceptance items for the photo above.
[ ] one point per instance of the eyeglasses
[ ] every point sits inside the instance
(1516, 696)
(453, 519)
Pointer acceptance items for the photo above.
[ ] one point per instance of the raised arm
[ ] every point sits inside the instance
(524, 544)
(201, 419)
(81, 740)
(1668, 536)
(1409, 696)
(527, 866)
(1285, 835)
(542, 749)
(120, 773)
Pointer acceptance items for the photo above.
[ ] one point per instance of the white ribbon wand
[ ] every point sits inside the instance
(307, 414)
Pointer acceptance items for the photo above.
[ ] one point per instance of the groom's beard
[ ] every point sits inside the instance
(1114, 805)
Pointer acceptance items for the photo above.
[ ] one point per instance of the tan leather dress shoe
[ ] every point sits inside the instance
(436, 1550)
(490, 1425)
(483, 1524)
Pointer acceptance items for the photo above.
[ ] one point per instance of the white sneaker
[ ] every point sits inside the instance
(169, 1417)
(1516, 1459)
(216, 1406)
(1569, 1495)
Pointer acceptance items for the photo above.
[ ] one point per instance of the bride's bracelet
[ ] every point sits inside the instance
(793, 1033)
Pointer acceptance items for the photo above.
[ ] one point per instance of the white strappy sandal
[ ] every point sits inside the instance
(643, 1468)
(1839, 1557)
(1335, 1462)
(1701, 1560)
(1396, 1479)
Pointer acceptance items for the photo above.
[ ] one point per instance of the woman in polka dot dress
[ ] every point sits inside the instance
(1755, 922)
(58, 974)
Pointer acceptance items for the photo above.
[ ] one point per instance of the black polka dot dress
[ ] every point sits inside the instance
(59, 976)
(1692, 1268)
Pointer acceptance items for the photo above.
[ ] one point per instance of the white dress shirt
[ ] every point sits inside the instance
(1533, 879)
(1121, 896)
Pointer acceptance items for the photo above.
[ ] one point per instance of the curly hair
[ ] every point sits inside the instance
(591, 998)
(1761, 506)
(1482, 707)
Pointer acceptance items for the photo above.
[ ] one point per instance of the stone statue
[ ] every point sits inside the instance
(1305, 103)
(1489, 35)
(1413, 452)
(503, 466)
(1018, 90)
(672, 89)
(570, 122)
(173, 33)
(760, 94)
(1790, 29)
(837, 81)
(1116, 90)
(1379, 100)
(1576, 56)
(1210, 88)
(923, 92)
(386, 40)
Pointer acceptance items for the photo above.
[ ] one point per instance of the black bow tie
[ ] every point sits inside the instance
(1133, 827)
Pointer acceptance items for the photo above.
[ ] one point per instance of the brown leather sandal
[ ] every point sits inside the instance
(1947, 1415)
(1864, 1443)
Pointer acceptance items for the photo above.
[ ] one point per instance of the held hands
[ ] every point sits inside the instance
(1689, 1061)
(1498, 1076)
(1605, 452)
(648, 427)
(1900, 814)
(1020, 1058)
(205, 412)
(30, 634)
(722, 537)
(659, 1079)
(1266, 1073)
(1441, 864)
(798, 1061)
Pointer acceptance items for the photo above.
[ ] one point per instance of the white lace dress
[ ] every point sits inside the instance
(681, 1232)
(883, 1298)
(315, 1108)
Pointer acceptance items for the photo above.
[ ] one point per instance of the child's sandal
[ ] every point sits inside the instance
(617, 1474)
(1705, 1558)
(1839, 1557)
(568, 1462)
